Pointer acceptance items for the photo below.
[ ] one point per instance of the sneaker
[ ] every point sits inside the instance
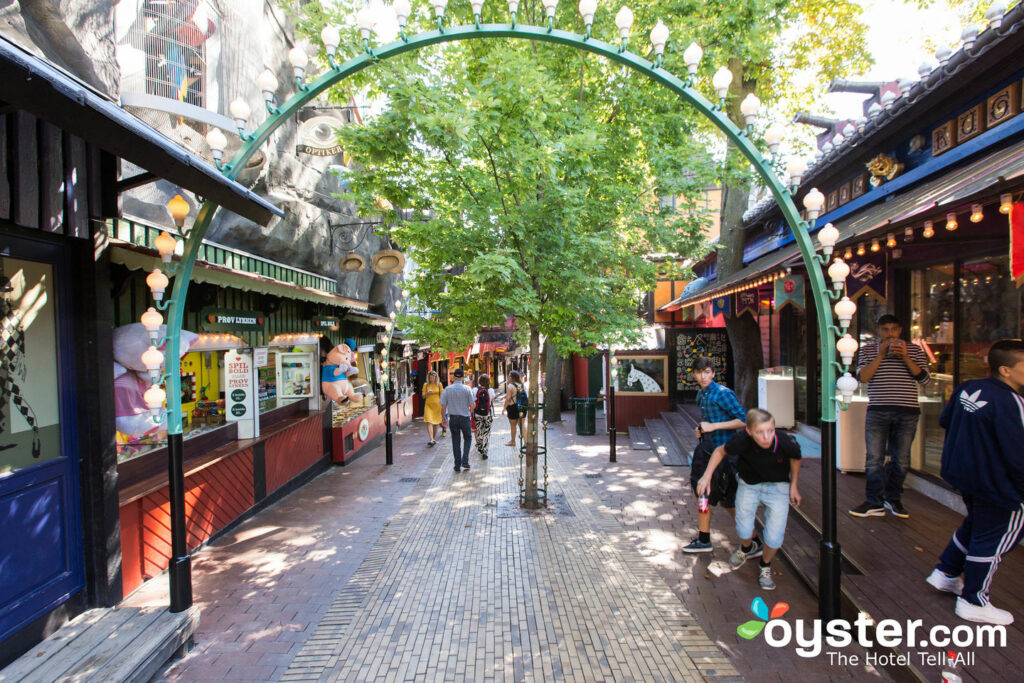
(431, 443)
(896, 508)
(483, 457)
(465, 465)
(867, 509)
(697, 546)
(757, 550)
(737, 558)
(765, 580)
(457, 469)
(941, 581)
(985, 614)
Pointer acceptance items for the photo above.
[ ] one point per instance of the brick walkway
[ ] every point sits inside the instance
(411, 571)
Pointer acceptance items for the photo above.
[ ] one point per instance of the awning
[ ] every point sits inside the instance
(135, 258)
(480, 348)
(951, 191)
(368, 318)
(46, 92)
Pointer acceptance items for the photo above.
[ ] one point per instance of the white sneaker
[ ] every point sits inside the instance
(949, 584)
(989, 614)
(765, 579)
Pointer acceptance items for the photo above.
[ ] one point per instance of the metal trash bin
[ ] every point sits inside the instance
(586, 416)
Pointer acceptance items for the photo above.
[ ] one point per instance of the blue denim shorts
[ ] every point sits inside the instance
(775, 498)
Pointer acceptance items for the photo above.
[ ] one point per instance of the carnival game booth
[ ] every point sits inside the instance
(255, 426)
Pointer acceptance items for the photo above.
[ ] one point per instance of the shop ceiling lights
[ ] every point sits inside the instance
(860, 249)
(1005, 203)
(929, 229)
(849, 253)
(977, 213)
(875, 246)
(908, 235)
(951, 223)
(890, 240)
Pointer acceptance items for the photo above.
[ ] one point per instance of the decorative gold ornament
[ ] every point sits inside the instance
(882, 168)
(351, 263)
(388, 261)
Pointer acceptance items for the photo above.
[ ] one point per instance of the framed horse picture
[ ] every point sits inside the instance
(641, 375)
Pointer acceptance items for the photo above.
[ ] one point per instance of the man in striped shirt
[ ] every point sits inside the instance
(893, 370)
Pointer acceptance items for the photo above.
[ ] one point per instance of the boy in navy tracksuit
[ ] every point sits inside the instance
(983, 457)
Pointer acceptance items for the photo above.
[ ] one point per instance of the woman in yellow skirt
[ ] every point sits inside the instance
(432, 405)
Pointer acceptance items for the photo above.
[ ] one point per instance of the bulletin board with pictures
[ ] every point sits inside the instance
(686, 346)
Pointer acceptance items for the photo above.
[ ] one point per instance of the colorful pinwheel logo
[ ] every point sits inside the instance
(752, 628)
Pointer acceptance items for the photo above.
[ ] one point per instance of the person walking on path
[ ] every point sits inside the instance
(769, 467)
(893, 369)
(455, 404)
(512, 402)
(721, 415)
(983, 457)
(483, 413)
(432, 405)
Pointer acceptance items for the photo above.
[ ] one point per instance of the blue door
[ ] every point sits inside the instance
(40, 517)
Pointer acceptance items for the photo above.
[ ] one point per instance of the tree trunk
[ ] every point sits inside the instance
(744, 332)
(553, 385)
(530, 498)
(568, 382)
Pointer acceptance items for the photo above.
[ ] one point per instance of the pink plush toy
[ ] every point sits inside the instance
(334, 377)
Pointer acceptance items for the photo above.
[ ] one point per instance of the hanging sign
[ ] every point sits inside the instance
(747, 302)
(721, 305)
(687, 313)
(239, 393)
(1017, 243)
(260, 356)
(867, 275)
(230, 320)
(789, 290)
(326, 323)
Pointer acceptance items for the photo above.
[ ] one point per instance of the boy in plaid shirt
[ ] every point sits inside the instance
(721, 415)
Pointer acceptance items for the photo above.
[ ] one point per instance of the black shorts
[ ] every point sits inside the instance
(724, 483)
(513, 412)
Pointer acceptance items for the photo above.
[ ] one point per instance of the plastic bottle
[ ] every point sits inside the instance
(703, 503)
(951, 670)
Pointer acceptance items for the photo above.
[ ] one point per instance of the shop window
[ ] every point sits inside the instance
(932, 294)
(992, 309)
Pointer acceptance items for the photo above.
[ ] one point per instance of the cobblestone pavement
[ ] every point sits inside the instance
(414, 572)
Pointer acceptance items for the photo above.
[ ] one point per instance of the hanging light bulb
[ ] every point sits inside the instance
(875, 246)
(623, 21)
(860, 249)
(365, 20)
(178, 208)
(848, 254)
(721, 82)
(929, 229)
(749, 108)
(152, 320)
(659, 36)
(217, 142)
(240, 113)
(795, 170)
(977, 213)
(587, 9)
(157, 283)
(154, 398)
(951, 223)
(838, 272)
(1005, 203)
(844, 311)
(890, 240)
(773, 136)
(153, 360)
(692, 56)
(908, 235)
(828, 236)
(847, 384)
(847, 346)
(402, 10)
(165, 244)
(299, 59)
(331, 38)
(813, 201)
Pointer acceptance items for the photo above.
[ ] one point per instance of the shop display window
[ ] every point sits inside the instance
(992, 309)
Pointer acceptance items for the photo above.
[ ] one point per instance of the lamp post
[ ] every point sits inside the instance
(610, 410)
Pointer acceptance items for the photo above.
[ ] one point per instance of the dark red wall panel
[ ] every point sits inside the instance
(631, 410)
(289, 453)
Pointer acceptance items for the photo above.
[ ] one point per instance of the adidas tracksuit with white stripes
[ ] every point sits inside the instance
(983, 457)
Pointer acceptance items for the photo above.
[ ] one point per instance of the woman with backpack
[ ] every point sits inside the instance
(514, 398)
(483, 413)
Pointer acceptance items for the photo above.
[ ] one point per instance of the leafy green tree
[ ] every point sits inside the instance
(542, 169)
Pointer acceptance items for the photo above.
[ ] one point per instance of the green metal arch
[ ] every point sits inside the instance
(614, 53)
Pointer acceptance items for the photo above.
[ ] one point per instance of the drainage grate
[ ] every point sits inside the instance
(409, 480)
(591, 476)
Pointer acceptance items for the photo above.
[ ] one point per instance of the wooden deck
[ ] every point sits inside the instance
(108, 645)
(893, 556)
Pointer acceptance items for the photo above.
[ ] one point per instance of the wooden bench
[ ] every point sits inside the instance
(114, 644)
